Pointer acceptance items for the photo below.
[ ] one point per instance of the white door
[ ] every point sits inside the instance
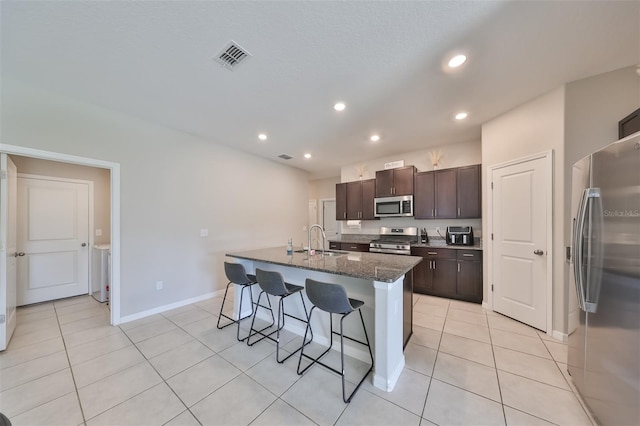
(53, 232)
(8, 251)
(329, 222)
(520, 208)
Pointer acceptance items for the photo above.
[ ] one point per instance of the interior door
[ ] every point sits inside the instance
(519, 227)
(329, 222)
(8, 252)
(53, 232)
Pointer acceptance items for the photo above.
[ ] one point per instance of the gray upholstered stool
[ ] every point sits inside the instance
(236, 274)
(271, 283)
(332, 298)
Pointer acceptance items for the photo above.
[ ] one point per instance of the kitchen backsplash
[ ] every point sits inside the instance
(373, 226)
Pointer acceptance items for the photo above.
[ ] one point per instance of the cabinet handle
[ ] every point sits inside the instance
(458, 211)
(431, 252)
(432, 213)
(436, 213)
(345, 215)
(434, 265)
(467, 255)
(458, 267)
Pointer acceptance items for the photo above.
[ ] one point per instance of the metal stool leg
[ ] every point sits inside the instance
(232, 320)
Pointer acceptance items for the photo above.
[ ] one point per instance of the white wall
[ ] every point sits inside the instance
(531, 128)
(172, 185)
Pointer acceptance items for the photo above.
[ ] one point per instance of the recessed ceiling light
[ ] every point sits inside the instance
(262, 137)
(461, 116)
(307, 155)
(340, 106)
(457, 60)
(375, 138)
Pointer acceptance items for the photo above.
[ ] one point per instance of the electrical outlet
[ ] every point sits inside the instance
(204, 232)
(159, 285)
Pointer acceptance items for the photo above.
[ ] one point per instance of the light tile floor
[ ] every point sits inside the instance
(464, 365)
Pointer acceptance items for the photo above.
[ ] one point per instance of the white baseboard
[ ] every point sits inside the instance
(168, 307)
(487, 306)
(558, 335)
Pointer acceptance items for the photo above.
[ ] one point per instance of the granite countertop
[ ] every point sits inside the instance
(435, 242)
(354, 238)
(368, 266)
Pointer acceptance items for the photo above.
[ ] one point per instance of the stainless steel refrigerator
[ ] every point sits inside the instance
(604, 346)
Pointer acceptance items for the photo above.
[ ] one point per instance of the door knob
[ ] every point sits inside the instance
(84, 244)
(538, 252)
(19, 254)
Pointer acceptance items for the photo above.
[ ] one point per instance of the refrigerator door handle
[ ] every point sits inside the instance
(582, 285)
(595, 251)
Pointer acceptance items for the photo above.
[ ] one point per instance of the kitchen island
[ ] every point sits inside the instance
(377, 279)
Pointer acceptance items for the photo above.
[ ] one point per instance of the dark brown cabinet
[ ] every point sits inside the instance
(335, 245)
(341, 201)
(449, 273)
(392, 182)
(469, 192)
(469, 280)
(354, 200)
(448, 194)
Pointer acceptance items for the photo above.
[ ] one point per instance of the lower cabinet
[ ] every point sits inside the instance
(449, 273)
(334, 245)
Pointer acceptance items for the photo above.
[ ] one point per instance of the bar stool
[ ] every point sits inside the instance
(332, 298)
(236, 274)
(271, 283)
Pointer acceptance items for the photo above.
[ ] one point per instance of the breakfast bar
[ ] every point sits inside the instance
(382, 281)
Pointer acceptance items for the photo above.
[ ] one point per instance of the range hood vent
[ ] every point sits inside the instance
(285, 156)
(232, 55)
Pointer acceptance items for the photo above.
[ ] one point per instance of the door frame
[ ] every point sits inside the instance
(548, 167)
(114, 174)
(90, 236)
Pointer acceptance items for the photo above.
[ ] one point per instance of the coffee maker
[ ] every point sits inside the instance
(460, 235)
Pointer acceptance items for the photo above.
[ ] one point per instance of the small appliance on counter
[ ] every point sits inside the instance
(460, 235)
(424, 238)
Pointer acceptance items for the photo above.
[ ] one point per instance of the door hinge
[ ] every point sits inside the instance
(492, 236)
(491, 287)
(491, 185)
(3, 174)
(2, 319)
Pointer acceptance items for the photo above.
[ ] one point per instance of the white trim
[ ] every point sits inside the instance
(563, 337)
(549, 163)
(165, 308)
(114, 169)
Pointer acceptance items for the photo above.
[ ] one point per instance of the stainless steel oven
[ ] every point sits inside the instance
(395, 240)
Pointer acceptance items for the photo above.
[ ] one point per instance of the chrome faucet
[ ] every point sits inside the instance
(324, 237)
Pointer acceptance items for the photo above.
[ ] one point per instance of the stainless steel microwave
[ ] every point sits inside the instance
(393, 206)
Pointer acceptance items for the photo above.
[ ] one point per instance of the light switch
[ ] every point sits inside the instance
(204, 232)
(98, 232)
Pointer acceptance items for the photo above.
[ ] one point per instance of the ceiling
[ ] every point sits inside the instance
(385, 60)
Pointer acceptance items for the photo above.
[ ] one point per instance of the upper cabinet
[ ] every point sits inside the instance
(448, 194)
(392, 182)
(469, 192)
(341, 201)
(354, 200)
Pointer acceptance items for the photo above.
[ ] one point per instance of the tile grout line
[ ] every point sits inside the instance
(433, 369)
(493, 353)
(73, 377)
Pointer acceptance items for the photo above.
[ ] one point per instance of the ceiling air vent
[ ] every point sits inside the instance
(232, 55)
(285, 156)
